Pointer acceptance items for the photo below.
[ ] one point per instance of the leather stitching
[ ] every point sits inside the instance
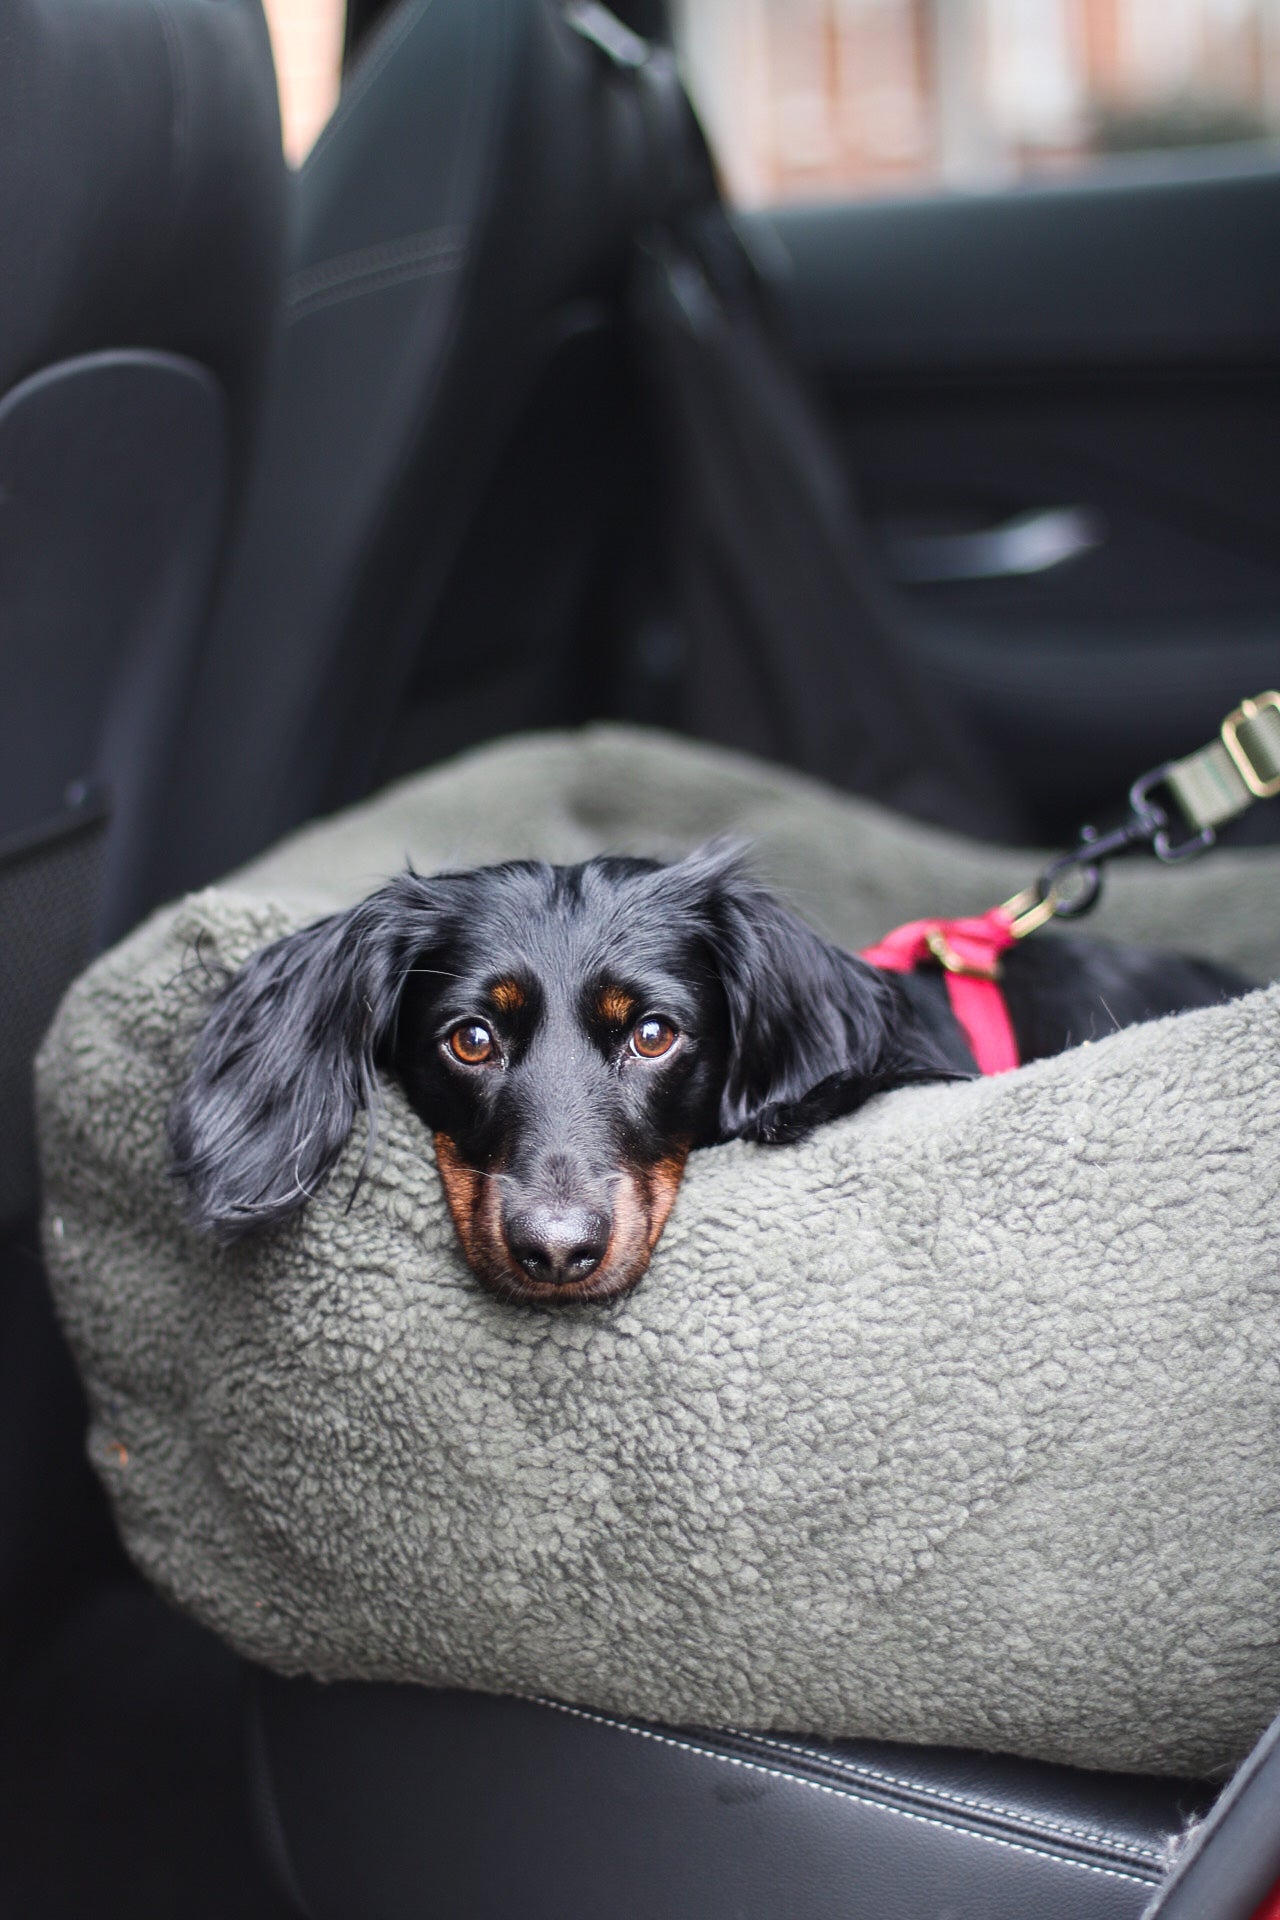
(370, 283)
(860, 1769)
(839, 1793)
(436, 250)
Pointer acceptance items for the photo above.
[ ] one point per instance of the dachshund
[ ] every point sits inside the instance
(570, 1034)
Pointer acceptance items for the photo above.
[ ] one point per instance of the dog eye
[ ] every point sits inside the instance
(472, 1043)
(652, 1038)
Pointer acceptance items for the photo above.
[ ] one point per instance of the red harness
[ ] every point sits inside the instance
(969, 950)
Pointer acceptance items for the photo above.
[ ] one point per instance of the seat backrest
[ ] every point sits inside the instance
(458, 250)
(141, 219)
(457, 523)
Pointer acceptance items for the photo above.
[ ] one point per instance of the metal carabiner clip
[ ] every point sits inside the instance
(1161, 845)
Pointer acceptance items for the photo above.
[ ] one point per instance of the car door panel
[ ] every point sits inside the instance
(1106, 352)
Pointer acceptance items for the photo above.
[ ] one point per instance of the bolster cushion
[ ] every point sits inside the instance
(958, 1422)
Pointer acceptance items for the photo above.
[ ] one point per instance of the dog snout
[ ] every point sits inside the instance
(557, 1244)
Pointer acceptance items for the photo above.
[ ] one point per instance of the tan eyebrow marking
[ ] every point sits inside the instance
(507, 996)
(615, 1005)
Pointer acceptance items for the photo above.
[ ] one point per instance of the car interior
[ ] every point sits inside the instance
(492, 417)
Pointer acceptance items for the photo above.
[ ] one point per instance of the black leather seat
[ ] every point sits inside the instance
(441, 543)
(415, 572)
(141, 230)
(152, 225)
(141, 217)
(141, 220)
(437, 430)
(383, 1801)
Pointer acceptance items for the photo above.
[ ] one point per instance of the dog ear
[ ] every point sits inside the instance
(286, 1059)
(813, 1031)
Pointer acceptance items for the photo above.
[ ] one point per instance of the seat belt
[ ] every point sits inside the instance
(757, 582)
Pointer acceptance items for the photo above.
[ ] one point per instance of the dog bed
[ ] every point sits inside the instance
(958, 1422)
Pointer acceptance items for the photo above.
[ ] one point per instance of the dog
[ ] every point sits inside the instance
(570, 1034)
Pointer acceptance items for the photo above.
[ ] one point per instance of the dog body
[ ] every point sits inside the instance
(570, 1034)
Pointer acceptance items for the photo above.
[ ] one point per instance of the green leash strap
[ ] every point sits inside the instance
(1210, 787)
(1240, 767)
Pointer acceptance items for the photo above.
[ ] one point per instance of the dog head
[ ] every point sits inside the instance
(568, 1034)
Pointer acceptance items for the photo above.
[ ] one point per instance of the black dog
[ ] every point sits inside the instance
(570, 1033)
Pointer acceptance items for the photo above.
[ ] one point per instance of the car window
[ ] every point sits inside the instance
(306, 39)
(810, 97)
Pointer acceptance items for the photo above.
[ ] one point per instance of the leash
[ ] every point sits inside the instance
(1222, 780)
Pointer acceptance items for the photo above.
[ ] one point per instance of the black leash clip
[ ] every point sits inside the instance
(1207, 788)
(1069, 887)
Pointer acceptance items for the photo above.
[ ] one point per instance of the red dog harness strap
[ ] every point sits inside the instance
(969, 951)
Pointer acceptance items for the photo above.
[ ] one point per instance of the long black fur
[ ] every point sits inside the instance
(790, 1030)
(813, 1031)
(288, 1057)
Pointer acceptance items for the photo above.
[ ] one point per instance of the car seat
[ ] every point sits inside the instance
(141, 225)
(141, 217)
(452, 260)
(379, 1800)
(387, 505)
(462, 516)
(432, 544)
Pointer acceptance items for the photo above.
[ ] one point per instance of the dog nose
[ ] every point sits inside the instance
(558, 1244)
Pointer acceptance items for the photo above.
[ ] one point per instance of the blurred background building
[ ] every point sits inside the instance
(838, 96)
(808, 97)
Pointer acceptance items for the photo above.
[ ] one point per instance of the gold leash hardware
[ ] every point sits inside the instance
(1240, 766)
(946, 956)
(1052, 894)
(1028, 910)
(1263, 785)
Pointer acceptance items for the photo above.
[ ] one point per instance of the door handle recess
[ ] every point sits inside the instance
(1032, 542)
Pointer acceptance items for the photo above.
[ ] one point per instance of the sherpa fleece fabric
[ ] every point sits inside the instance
(958, 1422)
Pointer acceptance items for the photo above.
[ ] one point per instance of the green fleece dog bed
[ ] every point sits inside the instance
(958, 1422)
